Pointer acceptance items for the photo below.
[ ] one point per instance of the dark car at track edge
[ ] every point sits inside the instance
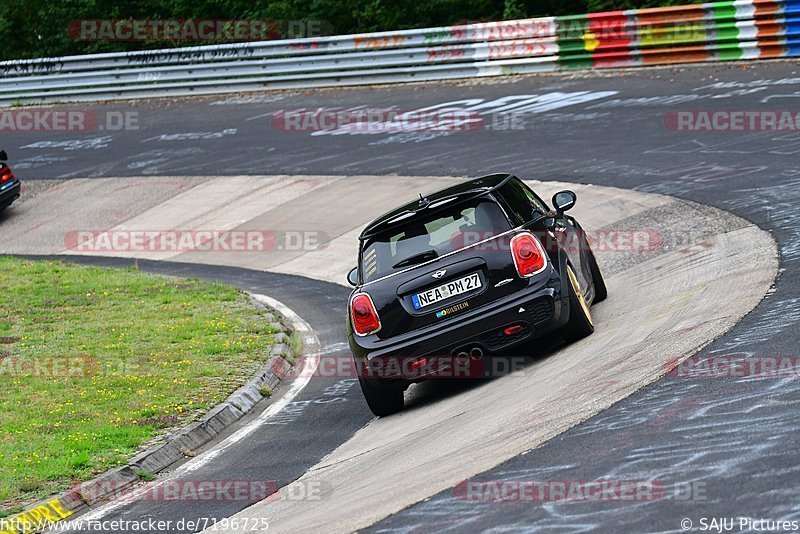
(463, 273)
(9, 184)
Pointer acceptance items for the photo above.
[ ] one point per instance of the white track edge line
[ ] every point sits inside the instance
(312, 345)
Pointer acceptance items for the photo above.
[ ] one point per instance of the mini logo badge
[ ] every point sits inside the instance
(439, 274)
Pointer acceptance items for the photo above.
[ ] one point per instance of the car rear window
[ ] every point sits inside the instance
(442, 231)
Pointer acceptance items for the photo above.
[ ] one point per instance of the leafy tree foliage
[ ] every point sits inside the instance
(38, 28)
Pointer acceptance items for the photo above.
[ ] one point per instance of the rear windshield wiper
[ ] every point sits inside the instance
(416, 258)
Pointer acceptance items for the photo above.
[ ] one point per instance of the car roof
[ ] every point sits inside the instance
(463, 191)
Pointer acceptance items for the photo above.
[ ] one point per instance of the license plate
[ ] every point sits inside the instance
(445, 291)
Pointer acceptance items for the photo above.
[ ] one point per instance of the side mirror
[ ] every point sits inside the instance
(352, 276)
(3, 155)
(563, 201)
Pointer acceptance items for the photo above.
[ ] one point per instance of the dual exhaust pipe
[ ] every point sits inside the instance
(474, 354)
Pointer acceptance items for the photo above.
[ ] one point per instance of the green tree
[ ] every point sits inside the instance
(513, 9)
(38, 28)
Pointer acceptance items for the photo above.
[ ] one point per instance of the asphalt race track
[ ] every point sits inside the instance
(732, 441)
(680, 294)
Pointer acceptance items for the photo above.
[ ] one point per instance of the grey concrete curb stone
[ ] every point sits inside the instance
(185, 442)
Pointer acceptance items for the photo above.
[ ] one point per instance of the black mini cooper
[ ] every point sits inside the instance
(465, 272)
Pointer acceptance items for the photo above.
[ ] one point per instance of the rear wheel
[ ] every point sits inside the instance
(381, 400)
(600, 291)
(580, 322)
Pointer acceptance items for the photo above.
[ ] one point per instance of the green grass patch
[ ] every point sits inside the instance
(95, 363)
(296, 343)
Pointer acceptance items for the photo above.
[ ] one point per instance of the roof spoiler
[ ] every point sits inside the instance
(437, 205)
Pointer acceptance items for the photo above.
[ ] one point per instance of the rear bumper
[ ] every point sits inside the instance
(539, 310)
(9, 193)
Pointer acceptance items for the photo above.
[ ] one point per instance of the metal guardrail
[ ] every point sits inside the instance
(741, 29)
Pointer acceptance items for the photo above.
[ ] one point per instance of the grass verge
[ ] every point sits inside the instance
(97, 363)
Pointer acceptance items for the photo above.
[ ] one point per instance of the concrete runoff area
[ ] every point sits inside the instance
(659, 311)
(325, 210)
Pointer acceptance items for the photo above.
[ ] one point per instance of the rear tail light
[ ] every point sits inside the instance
(529, 256)
(365, 317)
(6, 174)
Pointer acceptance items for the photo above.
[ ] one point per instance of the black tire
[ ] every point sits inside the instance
(600, 291)
(579, 325)
(382, 401)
